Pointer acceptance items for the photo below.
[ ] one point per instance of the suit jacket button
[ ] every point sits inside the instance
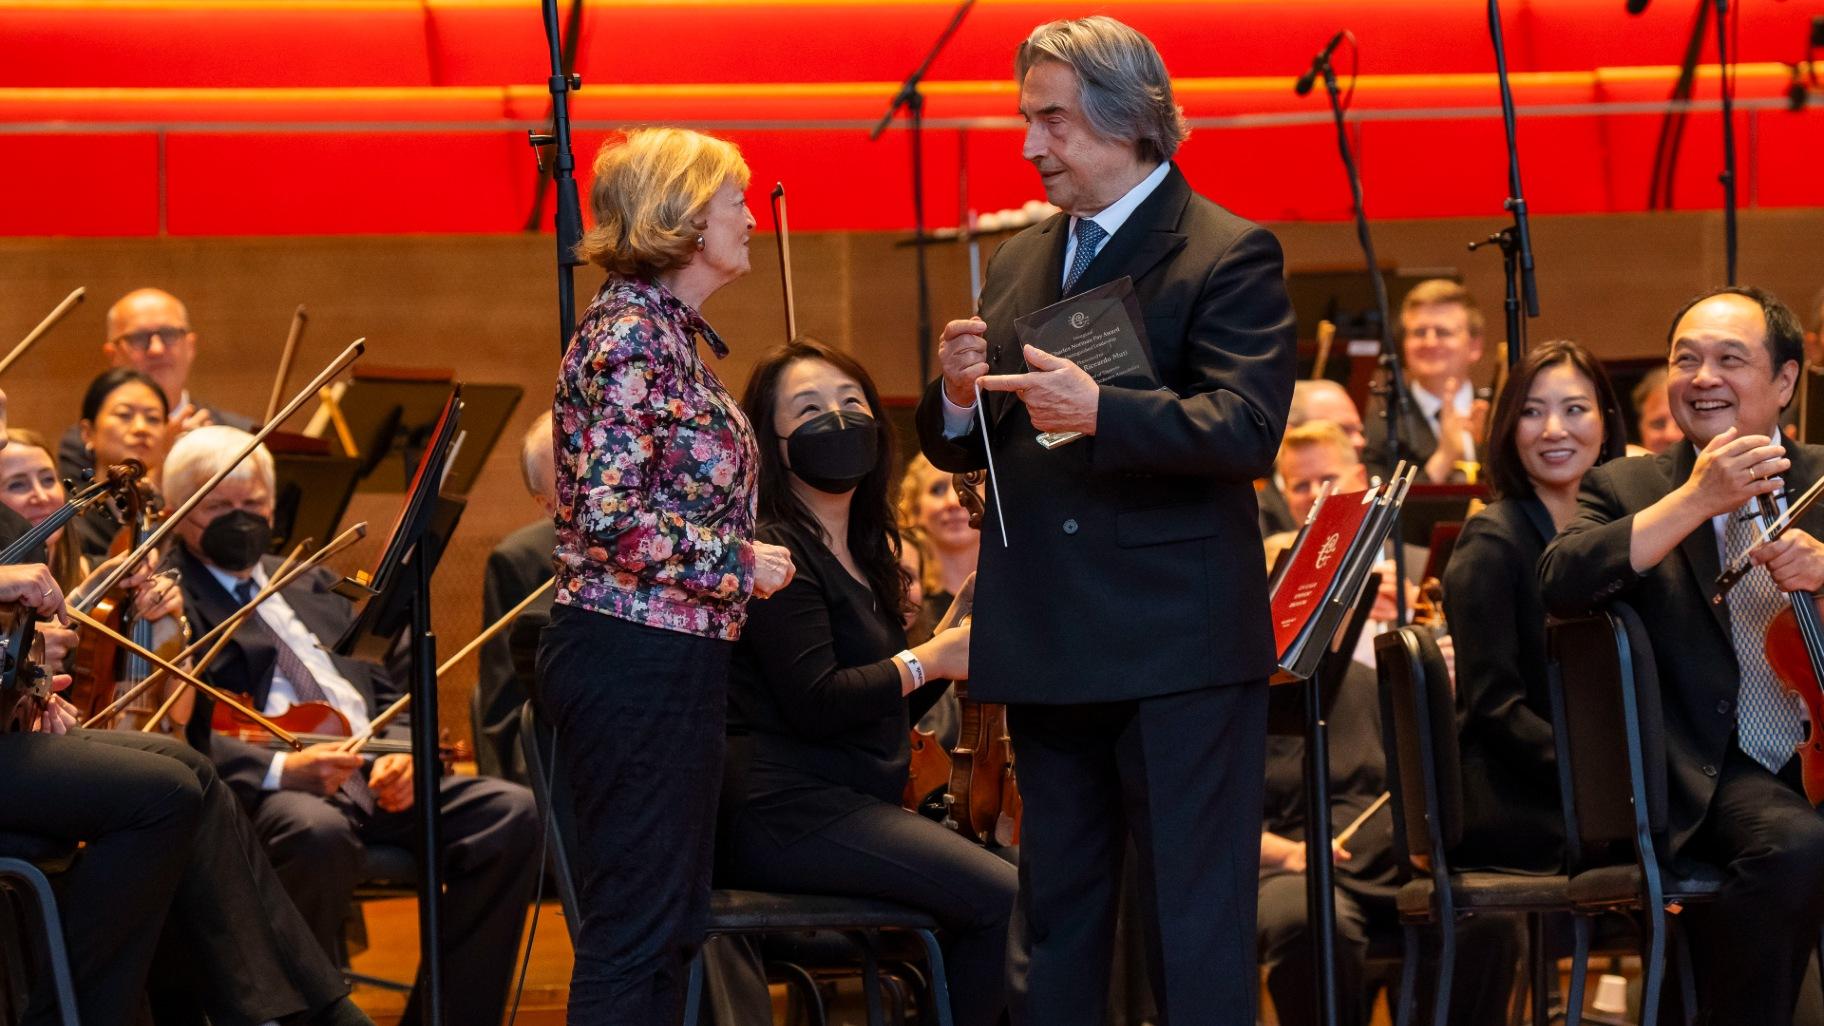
(1722, 707)
(1070, 526)
(1709, 771)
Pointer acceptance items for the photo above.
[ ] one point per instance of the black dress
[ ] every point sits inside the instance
(1513, 817)
(817, 760)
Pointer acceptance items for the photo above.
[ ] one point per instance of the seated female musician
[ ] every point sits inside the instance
(30, 487)
(123, 417)
(928, 503)
(822, 686)
(1556, 419)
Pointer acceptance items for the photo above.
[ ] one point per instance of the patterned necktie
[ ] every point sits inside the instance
(1089, 235)
(1767, 719)
(305, 688)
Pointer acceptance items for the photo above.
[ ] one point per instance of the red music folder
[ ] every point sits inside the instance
(1312, 574)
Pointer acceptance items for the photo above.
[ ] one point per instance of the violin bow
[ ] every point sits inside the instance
(183, 677)
(170, 702)
(1738, 569)
(783, 235)
(50, 321)
(218, 634)
(336, 366)
(378, 723)
(292, 338)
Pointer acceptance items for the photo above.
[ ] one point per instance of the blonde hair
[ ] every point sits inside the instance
(911, 486)
(1315, 434)
(1444, 292)
(65, 554)
(199, 454)
(648, 198)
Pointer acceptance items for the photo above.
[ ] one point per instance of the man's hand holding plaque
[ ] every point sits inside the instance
(1060, 396)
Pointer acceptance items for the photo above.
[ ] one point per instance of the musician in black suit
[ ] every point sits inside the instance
(1653, 531)
(1124, 620)
(1557, 418)
(517, 566)
(149, 331)
(1440, 343)
(317, 809)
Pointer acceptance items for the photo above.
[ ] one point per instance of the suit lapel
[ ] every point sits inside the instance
(253, 642)
(1036, 287)
(1149, 235)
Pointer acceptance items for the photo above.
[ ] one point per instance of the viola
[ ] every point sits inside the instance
(25, 686)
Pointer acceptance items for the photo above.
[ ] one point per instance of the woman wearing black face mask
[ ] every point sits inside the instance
(822, 687)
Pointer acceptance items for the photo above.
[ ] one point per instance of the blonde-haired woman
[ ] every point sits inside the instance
(930, 511)
(656, 559)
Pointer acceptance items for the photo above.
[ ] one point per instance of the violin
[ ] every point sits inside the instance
(25, 685)
(103, 670)
(119, 478)
(321, 723)
(927, 776)
(1794, 647)
(984, 792)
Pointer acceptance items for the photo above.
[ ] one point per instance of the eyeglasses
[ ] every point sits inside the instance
(140, 341)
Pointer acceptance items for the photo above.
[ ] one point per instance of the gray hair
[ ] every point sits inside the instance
(537, 463)
(201, 453)
(1125, 90)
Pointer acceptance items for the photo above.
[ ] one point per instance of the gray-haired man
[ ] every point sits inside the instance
(1125, 621)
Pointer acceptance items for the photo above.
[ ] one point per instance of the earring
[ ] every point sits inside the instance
(699, 242)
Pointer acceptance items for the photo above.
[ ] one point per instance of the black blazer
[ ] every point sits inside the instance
(246, 664)
(1133, 566)
(1587, 565)
(520, 563)
(1512, 816)
(1417, 439)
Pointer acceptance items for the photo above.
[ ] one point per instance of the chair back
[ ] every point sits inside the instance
(538, 742)
(1419, 731)
(1609, 732)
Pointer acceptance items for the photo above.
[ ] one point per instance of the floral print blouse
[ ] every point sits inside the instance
(656, 469)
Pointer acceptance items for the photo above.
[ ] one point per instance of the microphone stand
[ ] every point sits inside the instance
(1727, 86)
(1320, 870)
(913, 101)
(1516, 240)
(569, 216)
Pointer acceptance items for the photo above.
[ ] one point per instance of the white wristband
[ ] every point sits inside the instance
(913, 666)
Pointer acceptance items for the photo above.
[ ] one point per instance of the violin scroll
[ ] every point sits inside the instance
(968, 487)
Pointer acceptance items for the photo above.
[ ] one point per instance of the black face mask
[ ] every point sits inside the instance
(237, 539)
(833, 451)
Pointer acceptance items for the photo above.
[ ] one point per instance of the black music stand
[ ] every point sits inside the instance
(409, 540)
(311, 492)
(390, 414)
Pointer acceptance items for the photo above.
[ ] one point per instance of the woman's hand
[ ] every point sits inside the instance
(946, 655)
(158, 598)
(773, 568)
(32, 584)
(59, 715)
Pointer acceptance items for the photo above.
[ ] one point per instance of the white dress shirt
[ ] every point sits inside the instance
(958, 419)
(283, 621)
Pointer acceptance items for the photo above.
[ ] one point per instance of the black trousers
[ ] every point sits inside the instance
(232, 946)
(1751, 945)
(639, 714)
(490, 864)
(1487, 950)
(1181, 774)
(884, 852)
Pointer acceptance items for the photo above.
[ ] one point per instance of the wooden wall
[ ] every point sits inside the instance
(485, 306)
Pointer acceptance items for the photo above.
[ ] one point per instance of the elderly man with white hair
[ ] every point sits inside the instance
(316, 810)
(1124, 618)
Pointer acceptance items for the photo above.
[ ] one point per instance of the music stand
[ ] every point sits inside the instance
(311, 489)
(390, 413)
(409, 530)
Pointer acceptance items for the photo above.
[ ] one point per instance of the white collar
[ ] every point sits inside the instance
(1116, 214)
(229, 582)
(1430, 404)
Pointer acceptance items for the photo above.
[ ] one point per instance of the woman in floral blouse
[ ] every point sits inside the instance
(655, 563)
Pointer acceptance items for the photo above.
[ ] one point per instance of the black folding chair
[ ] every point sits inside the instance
(1418, 720)
(40, 925)
(746, 912)
(1612, 769)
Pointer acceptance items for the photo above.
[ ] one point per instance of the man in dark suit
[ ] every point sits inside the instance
(1653, 531)
(1440, 343)
(520, 564)
(318, 809)
(149, 331)
(1125, 619)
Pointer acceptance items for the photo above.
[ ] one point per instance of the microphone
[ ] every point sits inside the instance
(1309, 78)
(1637, 6)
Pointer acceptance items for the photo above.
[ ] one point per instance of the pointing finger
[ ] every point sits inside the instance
(1006, 382)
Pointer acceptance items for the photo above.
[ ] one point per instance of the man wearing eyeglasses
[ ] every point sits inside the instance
(149, 331)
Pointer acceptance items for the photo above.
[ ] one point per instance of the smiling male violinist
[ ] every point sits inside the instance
(1654, 531)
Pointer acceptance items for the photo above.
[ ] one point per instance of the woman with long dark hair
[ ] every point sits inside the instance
(823, 686)
(1556, 418)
